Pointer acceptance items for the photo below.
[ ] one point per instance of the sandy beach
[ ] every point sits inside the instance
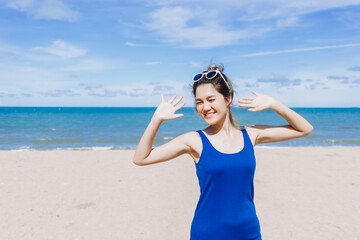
(300, 193)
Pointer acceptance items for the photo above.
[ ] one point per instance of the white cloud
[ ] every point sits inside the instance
(92, 65)
(21, 5)
(29, 79)
(139, 92)
(287, 22)
(206, 23)
(19, 53)
(56, 10)
(152, 63)
(294, 50)
(131, 44)
(45, 9)
(354, 68)
(103, 92)
(90, 86)
(62, 49)
(9, 50)
(181, 26)
(280, 81)
(60, 93)
(248, 10)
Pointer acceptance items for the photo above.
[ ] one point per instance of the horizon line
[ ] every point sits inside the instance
(136, 107)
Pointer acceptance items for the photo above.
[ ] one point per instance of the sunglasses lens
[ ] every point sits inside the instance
(197, 77)
(211, 74)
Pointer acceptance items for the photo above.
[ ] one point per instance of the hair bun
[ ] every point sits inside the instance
(216, 67)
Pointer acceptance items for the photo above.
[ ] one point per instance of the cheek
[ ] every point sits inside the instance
(198, 108)
(223, 104)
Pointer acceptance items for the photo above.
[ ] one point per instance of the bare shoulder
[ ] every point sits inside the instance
(193, 141)
(253, 132)
(253, 129)
(189, 137)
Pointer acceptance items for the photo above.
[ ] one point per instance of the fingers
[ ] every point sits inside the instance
(177, 101)
(247, 99)
(245, 105)
(178, 115)
(174, 103)
(180, 106)
(172, 99)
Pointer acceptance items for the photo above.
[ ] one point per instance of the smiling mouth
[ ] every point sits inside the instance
(208, 115)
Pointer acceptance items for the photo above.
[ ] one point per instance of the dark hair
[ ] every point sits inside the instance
(219, 85)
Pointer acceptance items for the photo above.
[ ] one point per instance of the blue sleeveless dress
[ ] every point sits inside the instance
(226, 210)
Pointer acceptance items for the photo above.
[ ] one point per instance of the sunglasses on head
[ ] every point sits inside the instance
(209, 75)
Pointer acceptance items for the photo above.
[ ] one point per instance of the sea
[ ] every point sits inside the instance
(114, 128)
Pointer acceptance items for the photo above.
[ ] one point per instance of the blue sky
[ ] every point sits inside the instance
(125, 53)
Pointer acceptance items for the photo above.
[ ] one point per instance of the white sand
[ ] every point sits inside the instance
(300, 193)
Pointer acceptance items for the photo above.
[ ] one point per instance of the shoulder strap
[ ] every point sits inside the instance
(246, 137)
(204, 139)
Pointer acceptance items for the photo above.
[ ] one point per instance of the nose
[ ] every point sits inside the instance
(206, 106)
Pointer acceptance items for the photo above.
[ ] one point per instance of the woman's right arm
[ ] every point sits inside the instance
(145, 154)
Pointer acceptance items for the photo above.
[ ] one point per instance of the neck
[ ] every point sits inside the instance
(223, 126)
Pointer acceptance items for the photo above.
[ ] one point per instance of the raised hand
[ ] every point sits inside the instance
(258, 103)
(166, 110)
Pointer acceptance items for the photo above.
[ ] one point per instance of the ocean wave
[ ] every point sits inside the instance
(342, 141)
(57, 140)
(92, 148)
(114, 148)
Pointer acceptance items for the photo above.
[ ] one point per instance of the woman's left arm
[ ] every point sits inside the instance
(298, 126)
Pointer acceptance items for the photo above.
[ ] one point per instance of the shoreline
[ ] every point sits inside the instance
(87, 149)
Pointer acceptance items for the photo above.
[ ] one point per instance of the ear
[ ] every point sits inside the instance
(228, 100)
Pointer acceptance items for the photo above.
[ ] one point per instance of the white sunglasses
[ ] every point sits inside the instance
(209, 75)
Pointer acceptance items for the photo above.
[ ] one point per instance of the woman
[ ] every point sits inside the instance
(223, 154)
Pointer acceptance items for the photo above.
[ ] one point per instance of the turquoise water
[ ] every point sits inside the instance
(47, 128)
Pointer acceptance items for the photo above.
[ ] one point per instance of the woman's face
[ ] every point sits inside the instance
(210, 104)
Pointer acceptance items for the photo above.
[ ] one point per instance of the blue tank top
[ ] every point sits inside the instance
(226, 210)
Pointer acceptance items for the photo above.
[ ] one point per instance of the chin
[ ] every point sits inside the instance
(210, 121)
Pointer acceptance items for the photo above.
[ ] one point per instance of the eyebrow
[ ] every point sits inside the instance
(197, 99)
